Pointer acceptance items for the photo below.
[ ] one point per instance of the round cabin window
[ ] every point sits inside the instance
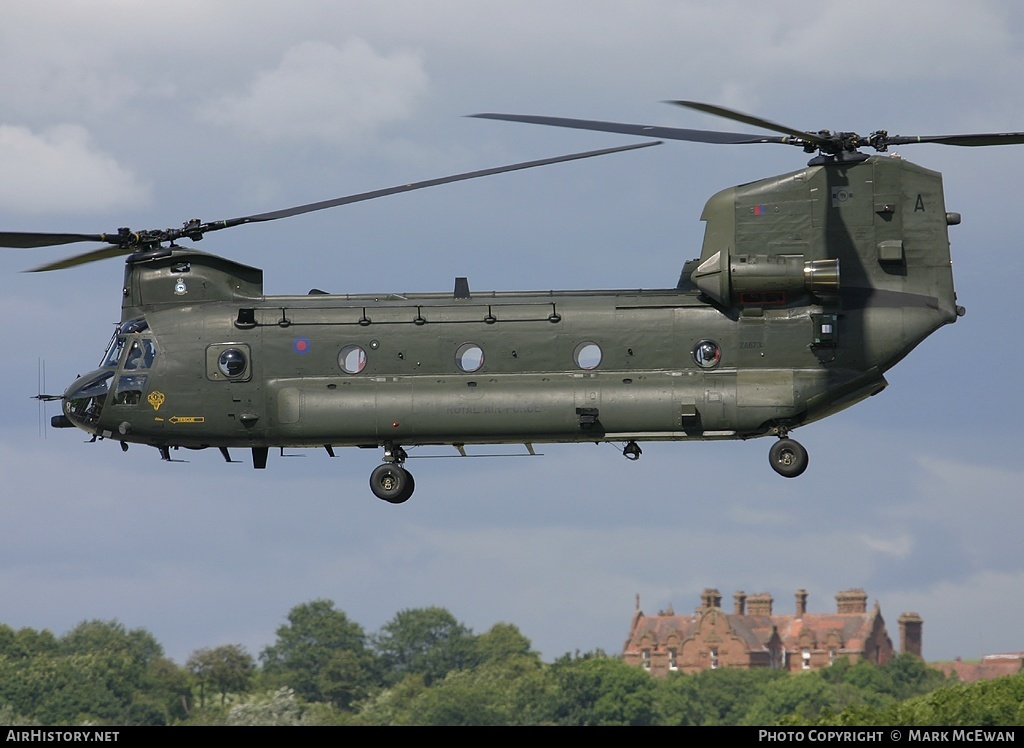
(232, 363)
(587, 355)
(469, 357)
(352, 359)
(707, 354)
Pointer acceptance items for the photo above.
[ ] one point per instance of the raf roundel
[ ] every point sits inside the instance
(301, 345)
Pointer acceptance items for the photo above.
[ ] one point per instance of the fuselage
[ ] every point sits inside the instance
(809, 287)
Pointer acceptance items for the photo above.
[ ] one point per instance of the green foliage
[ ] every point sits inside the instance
(111, 636)
(804, 696)
(347, 677)
(25, 642)
(10, 718)
(509, 691)
(394, 705)
(712, 697)
(990, 703)
(426, 668)
(462, 698)
(321, 654)
(994, 703)
(910, 676)
(425, 641)
(502, 641)
(99, 671)
(225, 669)
(165, 687)
(602, 691)
(278, 708)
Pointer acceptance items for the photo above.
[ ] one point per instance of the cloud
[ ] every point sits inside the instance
(60, 170)
(969, 617)
(325, 93)
(899, 546)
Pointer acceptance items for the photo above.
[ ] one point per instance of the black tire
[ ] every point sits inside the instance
(788, 458)
(391, 483)
(409, 488)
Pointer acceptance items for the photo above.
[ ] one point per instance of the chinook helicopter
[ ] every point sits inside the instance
(808, 288)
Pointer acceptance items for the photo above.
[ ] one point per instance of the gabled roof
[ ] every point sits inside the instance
(846, 632)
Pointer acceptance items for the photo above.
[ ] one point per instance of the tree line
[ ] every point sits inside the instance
(424, 667)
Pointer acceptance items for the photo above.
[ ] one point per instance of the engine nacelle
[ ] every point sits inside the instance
(724, 277)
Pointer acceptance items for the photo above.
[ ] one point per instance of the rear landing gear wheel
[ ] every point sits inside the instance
(788, 458)
(392, 483)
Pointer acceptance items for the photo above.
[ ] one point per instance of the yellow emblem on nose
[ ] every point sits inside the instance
(156, 399)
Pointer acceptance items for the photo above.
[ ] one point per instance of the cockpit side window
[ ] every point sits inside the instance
(114, 349)
(117, 343)
(86, 403)
(141, 354)
(129, 389)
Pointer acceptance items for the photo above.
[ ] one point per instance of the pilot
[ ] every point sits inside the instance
(134, 360)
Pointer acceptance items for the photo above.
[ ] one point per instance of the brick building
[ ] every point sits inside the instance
(990, 666)
(753, 635)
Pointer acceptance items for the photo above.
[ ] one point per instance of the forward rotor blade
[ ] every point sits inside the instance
(32, 240)
(349, 199)
(128, 242)
(102, 253)
(648, 131)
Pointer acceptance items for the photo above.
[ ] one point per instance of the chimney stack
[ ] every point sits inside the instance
(801, 602)
(710, 598)
(759, 604)
(911, 625)
(852, 601)
(740, 602)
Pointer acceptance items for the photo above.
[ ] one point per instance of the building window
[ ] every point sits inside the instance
(714, 658)
(806, 659)
(673, 663)
(647, 659)
(832, 656)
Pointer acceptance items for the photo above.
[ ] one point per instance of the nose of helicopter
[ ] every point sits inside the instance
(84, 400)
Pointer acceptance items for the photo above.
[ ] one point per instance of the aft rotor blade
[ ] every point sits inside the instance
(980, 139)
(647, 131)
(749, 119)
(32, 240)
(349, 199)
(102, 253)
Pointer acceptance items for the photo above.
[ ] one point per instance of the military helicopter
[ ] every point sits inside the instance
(809, 287)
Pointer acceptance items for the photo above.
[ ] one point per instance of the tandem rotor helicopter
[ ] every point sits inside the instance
(809, 287)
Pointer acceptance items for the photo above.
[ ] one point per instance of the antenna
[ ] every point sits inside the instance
(41, 388)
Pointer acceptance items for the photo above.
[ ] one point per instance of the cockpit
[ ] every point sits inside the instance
(129, 356)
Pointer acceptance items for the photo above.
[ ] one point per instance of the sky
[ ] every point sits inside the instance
(132, 113)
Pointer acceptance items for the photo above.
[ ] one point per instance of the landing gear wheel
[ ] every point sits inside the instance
(788, 458)
(392, 483)
(410, 486)
(632, 451)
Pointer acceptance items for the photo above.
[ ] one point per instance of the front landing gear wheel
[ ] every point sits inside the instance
(392, 483)
(788, 458)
